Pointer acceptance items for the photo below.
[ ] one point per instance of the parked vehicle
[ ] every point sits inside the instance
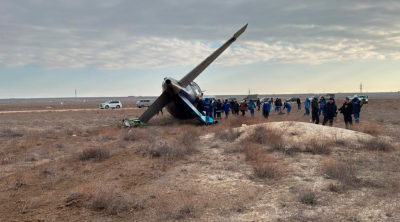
(265, 99)
(111, 104)
(363, 98)
(291, 99)
(328, 96)
(144, 103)
(254, 97)
(231, 99)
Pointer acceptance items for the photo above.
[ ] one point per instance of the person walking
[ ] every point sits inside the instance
(214, 108)
(357, 108)
(252, 106)
(200, 105)
(314, 110)
(236, 108)
(277, 107)
(271, 104)
(232, 105)
(258, 104)
(219, 109)
(347, 110)
(307, 106)
(226, 107)
(266, 109)
(280, 105)
(288, 107)
(243, 107)
(322, 103)
(206, 107)
(330, 112)
(298, 103)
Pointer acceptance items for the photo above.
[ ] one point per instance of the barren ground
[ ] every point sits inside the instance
(81, 166)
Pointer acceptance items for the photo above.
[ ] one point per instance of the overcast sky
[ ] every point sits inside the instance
(124, 47)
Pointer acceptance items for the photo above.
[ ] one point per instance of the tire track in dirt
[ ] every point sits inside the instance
(58, 110)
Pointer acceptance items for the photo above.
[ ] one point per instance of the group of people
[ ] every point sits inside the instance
(329, 110)
(214, 108)
(316, 106)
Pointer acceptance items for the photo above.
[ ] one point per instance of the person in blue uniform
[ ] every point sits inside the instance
(206, 107)
(266, 109)
(226, 107)
(252, 106)
(307, 106)
(287, 106)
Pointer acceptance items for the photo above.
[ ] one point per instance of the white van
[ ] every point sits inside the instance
(144, 103)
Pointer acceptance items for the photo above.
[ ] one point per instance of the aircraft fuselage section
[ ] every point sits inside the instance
(177, 107)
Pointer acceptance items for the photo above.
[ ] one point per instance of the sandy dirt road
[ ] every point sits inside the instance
(60, 110)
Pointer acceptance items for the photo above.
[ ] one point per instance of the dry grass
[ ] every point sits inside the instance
(318, 147)
(185, 211)
(188, 141)
(180, 148)
(344, 170)
(47, 139)
(369, 128)
(94, 153)
(376, 145)
(292, 148)
(263, 169)
(135, 134)
(263, 135)
(308, 197)
(335, 188)
(107, 199)
(259, 135)
(338, 139)
(229, 135)
(263, 164)
(8, 133)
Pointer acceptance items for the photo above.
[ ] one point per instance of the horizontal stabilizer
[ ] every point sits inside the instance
(161, 102)
(195, 112)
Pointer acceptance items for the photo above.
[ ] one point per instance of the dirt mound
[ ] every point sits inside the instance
(306, 131)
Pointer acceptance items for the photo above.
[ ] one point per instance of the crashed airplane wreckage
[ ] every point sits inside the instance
(181, 97)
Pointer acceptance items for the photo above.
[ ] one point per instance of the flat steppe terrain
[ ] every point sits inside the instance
(82, 166)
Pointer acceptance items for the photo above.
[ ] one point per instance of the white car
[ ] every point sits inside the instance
(111, 104)
(144, 103)
(363, 98)
(265, 99)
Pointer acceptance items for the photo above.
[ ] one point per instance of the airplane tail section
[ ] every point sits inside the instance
(196, 112)
(185, 81)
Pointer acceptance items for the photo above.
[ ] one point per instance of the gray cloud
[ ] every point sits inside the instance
(153, 34)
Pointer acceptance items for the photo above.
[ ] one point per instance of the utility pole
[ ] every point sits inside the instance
(249, 91)
(360, 87)
(76, 95)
